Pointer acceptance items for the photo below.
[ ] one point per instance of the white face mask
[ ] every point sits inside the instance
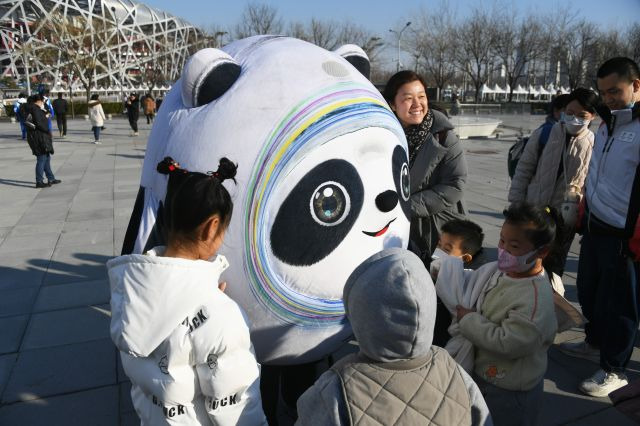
(573, 124)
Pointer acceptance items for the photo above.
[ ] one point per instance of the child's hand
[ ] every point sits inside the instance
(462, 311)
(222, 286)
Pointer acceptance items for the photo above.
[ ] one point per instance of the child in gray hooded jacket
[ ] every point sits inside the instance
(398, 377)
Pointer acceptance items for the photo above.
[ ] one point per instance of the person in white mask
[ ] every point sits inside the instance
(556, 175)
(609, 268)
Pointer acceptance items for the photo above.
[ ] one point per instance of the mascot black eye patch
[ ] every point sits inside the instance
(317, 214)
(400, 168)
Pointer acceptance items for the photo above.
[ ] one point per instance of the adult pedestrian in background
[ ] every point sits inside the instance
(608, 268)
(40, 141)
(18, 111)
(60, 110)
(554, 176)
(97, 117)
(437, 166)
(149, 107)
(133, 112)
(48, 107)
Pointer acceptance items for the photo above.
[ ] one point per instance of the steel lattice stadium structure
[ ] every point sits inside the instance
(140, 38)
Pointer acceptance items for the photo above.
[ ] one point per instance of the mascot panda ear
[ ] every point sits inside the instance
(208, 74)
(356, 57)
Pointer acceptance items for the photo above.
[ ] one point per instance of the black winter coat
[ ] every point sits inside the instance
(39, 138)
(438, 176)
(133, 109)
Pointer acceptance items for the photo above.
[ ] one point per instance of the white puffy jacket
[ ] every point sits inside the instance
(184, 344)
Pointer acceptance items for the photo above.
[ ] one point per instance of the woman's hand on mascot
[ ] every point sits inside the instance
(222, 286)
(461, 311)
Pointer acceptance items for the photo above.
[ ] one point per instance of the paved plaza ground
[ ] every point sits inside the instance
(58, 365)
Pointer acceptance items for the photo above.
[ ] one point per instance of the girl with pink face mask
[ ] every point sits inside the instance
(516, 322)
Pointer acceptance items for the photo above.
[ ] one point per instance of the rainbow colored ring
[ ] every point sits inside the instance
(332, 112)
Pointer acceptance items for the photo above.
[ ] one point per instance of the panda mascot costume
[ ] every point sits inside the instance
(322, 182)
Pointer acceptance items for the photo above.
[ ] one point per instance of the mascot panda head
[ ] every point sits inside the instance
(322, 183)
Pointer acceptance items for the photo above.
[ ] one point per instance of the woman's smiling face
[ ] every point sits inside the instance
(410, 103)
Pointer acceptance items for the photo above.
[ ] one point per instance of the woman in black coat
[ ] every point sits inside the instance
(133, 112)
(437, 166)
(40, 141)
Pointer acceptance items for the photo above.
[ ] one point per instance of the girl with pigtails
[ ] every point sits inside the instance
(184, 344)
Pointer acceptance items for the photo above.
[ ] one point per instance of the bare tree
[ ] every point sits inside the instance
(84, 48)
(474, 40)
(633, 40)
(350, 33)
(258, 19)
(515, 44)
(432, 45)
(579, 52)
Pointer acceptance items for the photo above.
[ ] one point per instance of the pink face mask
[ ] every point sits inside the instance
(510, 263)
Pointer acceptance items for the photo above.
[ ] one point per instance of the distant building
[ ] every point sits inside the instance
(143, 40)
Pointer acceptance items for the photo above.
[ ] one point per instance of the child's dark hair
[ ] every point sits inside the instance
(546, 222)
(193, 197)
(471, 234)
(586, 98)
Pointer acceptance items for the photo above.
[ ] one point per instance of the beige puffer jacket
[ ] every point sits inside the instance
(536, 180)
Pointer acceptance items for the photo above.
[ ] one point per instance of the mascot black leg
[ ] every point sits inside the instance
(134, 224)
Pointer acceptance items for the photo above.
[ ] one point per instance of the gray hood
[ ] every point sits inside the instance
(390, 301)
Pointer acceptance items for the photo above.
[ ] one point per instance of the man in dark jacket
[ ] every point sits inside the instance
(133, 112)
(60, 111)
(40, 141)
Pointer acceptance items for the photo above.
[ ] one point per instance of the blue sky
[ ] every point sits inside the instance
(380, 15)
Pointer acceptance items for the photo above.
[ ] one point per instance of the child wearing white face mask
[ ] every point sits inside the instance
(516, 322)
(555, 177)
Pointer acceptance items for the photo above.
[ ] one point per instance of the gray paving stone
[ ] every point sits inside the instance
(85, 238)
(17, 301)
(12, 331)
(47, 228)
(67, 326)
(608, 416)
(6, 365)
(129, 419)
(63, 369)
(95, 407)
(72, 295)
(126, 406)
(40, 241)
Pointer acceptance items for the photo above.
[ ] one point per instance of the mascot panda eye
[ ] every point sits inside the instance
(400, 168)
(330, 204)
(404, 182)
(321, 208)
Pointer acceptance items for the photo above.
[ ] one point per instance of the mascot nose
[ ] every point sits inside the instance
(387, 201)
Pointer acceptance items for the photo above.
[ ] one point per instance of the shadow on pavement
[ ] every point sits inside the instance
(12, 182)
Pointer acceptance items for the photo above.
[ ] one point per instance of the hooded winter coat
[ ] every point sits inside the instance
(183, 343)
(96, 114)
(38, 137)
(438, 175)
(398, 377)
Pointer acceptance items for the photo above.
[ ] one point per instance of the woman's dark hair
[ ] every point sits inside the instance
(193, 197)
(543, 223)
(585, 97)
(558, 102)
(397, 80)
(94, 97)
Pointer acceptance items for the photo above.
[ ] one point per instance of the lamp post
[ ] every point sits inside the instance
(70, 81)
(399, 34)
(115, 17)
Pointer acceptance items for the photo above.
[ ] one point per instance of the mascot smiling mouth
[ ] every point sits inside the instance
(380, 232)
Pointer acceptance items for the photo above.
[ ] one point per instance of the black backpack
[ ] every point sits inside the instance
(517, 149)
